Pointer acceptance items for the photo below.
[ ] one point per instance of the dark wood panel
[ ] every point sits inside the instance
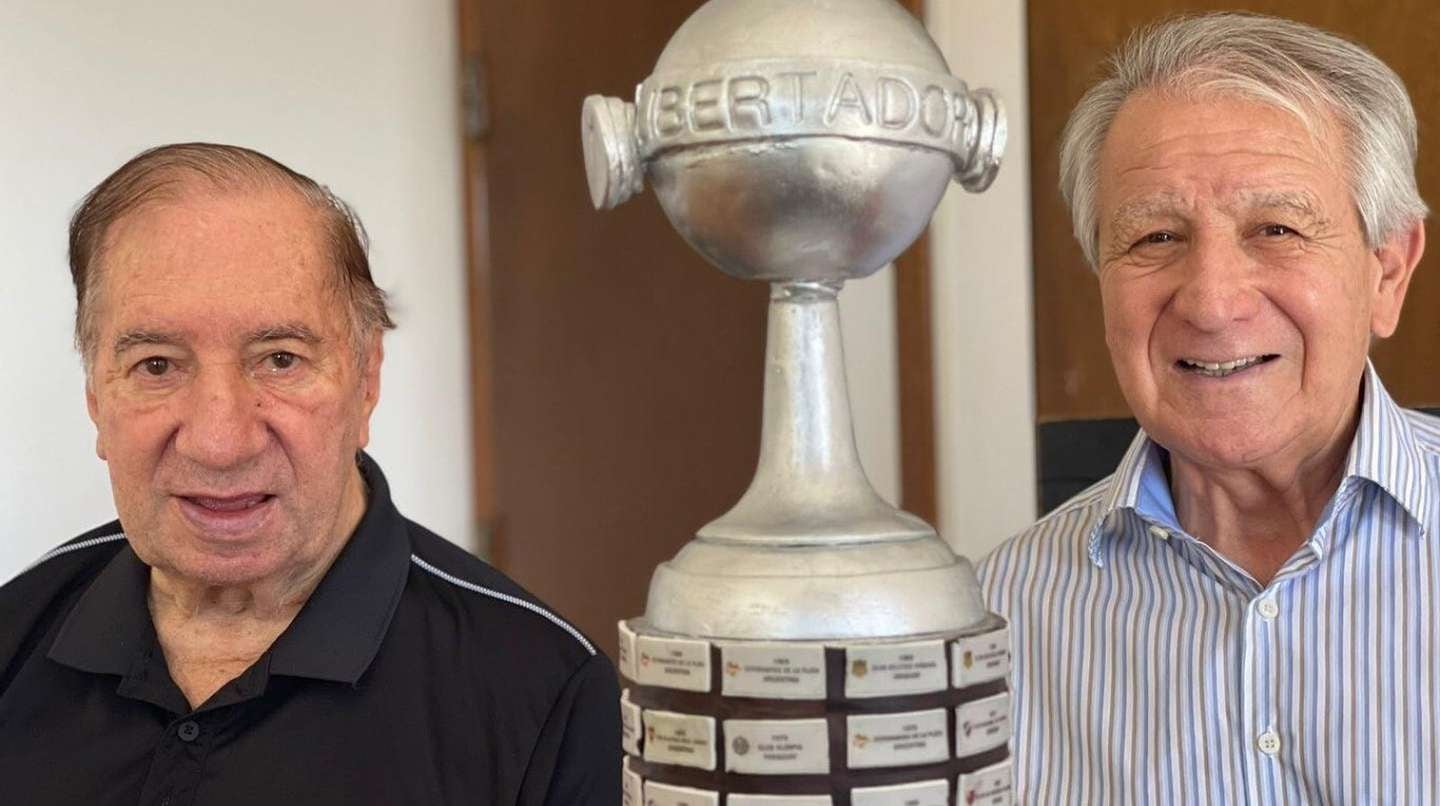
(477, 263)
(626, 372)
(915, 346)
(916, 373)
(1073, 375)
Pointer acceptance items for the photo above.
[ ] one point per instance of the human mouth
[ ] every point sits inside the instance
(234, 503)
(226, 514)
(1223, 369)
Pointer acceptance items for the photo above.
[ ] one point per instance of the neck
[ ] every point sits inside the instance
(1258, 517)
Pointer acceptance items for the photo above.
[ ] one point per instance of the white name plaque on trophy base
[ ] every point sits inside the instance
(672, 663)
(778, 800)
(990, 786)
(777, 747)
(667, 795)
(625, 655)
(684, 739)
(631, 786)
(629, 724)
(897, 740)
(887, 670)
(982, 725)
(925, 793)
(980, 658)
(773, 671)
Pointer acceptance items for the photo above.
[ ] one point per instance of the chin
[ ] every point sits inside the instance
(226, 571)
(220, 563)
(1233, 449)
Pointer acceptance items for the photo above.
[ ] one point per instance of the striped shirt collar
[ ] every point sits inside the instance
(1385, 452)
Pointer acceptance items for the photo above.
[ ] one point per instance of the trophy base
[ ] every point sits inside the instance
(857, 591)
(897, 722)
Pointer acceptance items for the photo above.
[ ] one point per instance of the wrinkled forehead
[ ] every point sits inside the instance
(224, 251)
(1247, 143)
(250, 223)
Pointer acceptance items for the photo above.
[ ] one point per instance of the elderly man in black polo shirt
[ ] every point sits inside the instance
(261, 625)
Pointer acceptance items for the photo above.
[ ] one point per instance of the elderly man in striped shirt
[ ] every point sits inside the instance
(1246, 610)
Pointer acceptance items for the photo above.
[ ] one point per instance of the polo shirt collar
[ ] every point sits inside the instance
(1385, 451)
(109, 630)
(334, 637)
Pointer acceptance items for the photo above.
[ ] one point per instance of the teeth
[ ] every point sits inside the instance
(229, 504)
(1222, 368)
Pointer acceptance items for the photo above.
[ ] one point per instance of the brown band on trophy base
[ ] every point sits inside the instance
(837, 784)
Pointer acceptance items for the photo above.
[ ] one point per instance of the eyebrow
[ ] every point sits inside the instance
(1155, 204)
(1169, 203)
(1295, 201)
(135, 338)
(131, 339)
(289, 331)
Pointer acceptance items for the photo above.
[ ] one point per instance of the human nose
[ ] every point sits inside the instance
(1217, 286)
(221, 426)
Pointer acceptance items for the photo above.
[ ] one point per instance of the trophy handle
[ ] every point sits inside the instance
(612, 162)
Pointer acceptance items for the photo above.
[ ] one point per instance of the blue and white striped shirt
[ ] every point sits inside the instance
(1149, 669)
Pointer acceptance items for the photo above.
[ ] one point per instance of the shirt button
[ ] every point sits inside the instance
(188, 731)
(1267, 607)
(1160, 532)
(1268, 742)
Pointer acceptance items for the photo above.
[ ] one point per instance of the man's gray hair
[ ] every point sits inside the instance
(164, 172)
(1301, 69)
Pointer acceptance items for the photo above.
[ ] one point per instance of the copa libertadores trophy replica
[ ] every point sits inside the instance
(814, 645)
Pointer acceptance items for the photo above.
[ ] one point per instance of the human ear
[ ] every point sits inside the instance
(1397, 257)
(92, 406)
(370, 383)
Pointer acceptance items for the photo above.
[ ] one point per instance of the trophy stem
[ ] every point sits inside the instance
(809, 486)
(807, 440)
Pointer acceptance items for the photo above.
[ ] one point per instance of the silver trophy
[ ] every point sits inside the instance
(814, 644)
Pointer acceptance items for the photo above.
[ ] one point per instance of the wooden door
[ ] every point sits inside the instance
(618, 376)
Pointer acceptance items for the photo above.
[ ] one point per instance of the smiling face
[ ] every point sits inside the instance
(224, 387)
(1239, 294)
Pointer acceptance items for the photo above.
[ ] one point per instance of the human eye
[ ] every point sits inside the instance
(281, 362)
(154, 372)
(156, 366)
(1156, 238)
(1273, 230)
(1154, 245)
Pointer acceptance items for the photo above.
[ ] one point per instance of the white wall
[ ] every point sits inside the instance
(867, 326)
(984, 343)
(356, 93)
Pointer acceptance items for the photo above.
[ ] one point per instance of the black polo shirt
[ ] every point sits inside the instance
(415, 674)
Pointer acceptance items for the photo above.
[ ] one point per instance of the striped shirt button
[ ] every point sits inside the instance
(1267, 607)
(1160, 532)
(1268, 742)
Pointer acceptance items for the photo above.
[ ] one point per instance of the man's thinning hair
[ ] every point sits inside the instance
(168, 172)
(1303, 70)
